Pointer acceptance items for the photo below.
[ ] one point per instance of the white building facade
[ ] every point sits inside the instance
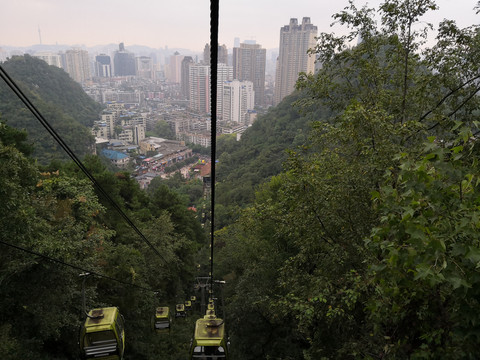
(78, 65)
(295, 41)
(224, 74)
(238, 99)
(199, 88)
(50, 58)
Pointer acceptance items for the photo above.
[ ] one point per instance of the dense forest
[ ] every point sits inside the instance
(366, 244)
(348, 216)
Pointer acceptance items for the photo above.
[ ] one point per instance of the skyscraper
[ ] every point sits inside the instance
(222, 54)
(249, 64)
(295, 40)
(77, 64)
(144, 67)
(238, 99)
(236, 42)
(49, 57)
(184, 78)
(199, 76)
(103, 66)
(174, 72)
(206, 54)
(123, 62)
(224, 73)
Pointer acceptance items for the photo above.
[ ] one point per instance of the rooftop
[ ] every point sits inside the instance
(113, 155)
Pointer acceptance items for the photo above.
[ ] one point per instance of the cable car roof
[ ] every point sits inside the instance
(162, 312)
(210, 329)
(98, 322)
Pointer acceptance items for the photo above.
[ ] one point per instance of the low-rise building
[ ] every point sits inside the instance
(100, 130)
(168, 151)
(202, 138)
(145, 179)
(117, 158)
(132, 134)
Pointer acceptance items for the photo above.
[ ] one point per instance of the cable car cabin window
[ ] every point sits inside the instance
(100, 337)
(100, 344)
(208, 353)
(162, 324)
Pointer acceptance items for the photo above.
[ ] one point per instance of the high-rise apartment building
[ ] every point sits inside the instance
(206, 54)
(185, 78)
(174, 72)
(249, 64)
(77, 64)
(123, 62)
(50, 58)
(199, 78)
(295, 40)
(238, 99)
(224, 74)
(199, 94)
(103, 66)
(222, 54)
(144, 67)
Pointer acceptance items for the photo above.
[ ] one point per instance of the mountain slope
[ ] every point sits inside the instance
(261, 151)
(59, 99)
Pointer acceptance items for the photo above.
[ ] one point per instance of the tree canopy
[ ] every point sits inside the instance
(348, 215)
(364, 246)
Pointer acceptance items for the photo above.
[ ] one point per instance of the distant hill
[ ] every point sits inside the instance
(61, 101)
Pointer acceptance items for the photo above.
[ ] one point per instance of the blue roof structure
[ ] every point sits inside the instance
(113, 155)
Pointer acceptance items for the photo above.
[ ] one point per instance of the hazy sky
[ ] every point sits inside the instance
(181, 24)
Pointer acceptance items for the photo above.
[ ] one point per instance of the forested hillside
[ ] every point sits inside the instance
(58, 98)
(367, 244)
(260, 154)
(348, 216)
(58, 215)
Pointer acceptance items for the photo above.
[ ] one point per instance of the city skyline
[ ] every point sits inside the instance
(144, 22)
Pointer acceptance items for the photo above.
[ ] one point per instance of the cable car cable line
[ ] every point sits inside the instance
(14, 87)
(75, 266)
(210, 341)
(210, 326)
(214, 11)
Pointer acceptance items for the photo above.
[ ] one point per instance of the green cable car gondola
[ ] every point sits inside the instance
(102, 335)
(209, 341)
(193, 299)
(180, 310)
(162, 319)
(188, 305)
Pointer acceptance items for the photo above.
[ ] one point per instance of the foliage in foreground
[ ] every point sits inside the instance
(59, 215)
(367, 245)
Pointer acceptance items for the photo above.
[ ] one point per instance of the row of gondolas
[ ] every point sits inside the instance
(103, 334)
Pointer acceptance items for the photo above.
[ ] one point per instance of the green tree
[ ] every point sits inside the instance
(427, 243)
(335, 295)
(12, 137)
(162, 129)
(58, 214)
